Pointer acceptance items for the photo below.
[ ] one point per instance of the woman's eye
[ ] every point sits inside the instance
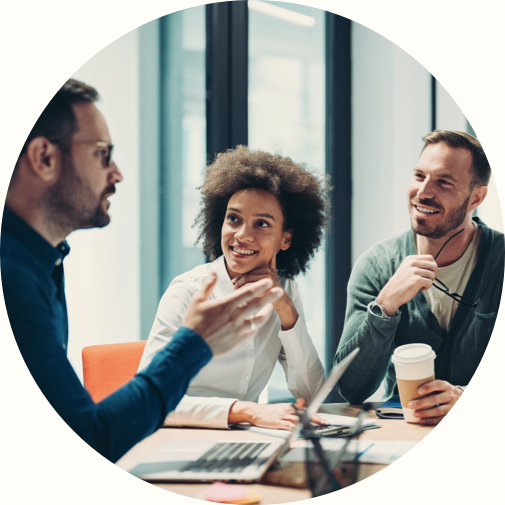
(263, 224)
(232, 218)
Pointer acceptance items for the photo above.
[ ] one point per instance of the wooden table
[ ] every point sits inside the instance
(390, 430)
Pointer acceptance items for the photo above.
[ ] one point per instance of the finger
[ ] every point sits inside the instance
(291, 418)
(249, 292)
(426, 284)
(254, 323)
(430, 421)
(258, 303)
(285, 425)
(428, 401)
(248, 279)
(262, 315)
(432, 386)
(422, 257)
(425, 273)
(207, 286)
(319, 420)
(434, 412)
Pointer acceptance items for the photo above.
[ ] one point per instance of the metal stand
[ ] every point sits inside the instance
(326, 483)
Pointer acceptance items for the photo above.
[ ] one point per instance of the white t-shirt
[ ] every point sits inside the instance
(455, 277)
(242, 373)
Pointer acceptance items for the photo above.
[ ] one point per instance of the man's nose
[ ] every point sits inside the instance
(426, 189)
(115, 174)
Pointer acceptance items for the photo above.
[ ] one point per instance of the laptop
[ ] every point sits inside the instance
(242, 461)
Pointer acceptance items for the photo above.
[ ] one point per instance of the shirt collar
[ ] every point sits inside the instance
(223, 286)
(46, 254)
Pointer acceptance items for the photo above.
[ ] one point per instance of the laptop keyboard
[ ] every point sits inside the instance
(231, 457)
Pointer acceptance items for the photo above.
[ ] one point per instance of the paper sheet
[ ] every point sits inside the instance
(345, 420)
(382, 452)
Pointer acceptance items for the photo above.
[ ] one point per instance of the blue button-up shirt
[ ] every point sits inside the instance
(33, 285)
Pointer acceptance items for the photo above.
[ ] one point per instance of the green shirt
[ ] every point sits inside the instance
(458, 351)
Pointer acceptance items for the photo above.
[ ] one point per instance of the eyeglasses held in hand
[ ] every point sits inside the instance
(438, 284)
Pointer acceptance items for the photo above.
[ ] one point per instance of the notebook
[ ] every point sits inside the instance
(392, 409)
(227, 460)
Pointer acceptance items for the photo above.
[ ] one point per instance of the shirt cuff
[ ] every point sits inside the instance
(297, 343)
(192, 411)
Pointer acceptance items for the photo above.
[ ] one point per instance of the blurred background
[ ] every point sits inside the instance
(272, 75)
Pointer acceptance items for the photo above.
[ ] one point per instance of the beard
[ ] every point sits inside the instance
(71, 203)
(453, 220)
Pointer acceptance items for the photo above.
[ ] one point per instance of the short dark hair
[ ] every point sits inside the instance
(57, 121)
(461, 140)
(301, 195)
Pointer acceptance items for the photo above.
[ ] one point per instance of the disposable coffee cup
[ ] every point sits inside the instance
(414, 366)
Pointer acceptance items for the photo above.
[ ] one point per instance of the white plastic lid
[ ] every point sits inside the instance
(412, 353)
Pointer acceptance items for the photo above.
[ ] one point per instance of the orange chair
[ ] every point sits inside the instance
(110, 366)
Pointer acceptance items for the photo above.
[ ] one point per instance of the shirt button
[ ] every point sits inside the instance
(246, 377)
(58, 262)
(64, 346)
(248, 348)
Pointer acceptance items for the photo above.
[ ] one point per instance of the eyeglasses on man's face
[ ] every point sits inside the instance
(105, 147)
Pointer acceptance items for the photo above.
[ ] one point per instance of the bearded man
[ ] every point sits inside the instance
(439, 284)
(62, 182)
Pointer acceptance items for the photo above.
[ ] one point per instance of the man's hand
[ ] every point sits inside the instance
(416, 273)
(435, 393)
(284, 306)
(280, 416)
(227, 321)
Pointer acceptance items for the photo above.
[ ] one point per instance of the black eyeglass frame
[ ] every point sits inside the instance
(445, 289)
(97, 143)
(454, 296)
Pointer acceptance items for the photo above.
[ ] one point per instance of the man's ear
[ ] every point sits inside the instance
(477, 197)
(287, 239)
(44, 159)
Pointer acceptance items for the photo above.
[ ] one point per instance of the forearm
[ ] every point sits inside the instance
(242, 412)
(139, 408)
(287, 312)
(301, 363)
(374, 336)
(205, 412)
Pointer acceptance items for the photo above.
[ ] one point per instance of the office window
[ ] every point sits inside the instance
(183, 129)
(286, 103)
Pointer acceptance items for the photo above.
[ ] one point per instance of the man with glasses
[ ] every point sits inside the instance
(439, 284)
(62, 181)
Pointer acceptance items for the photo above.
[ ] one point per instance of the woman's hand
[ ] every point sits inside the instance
(284, 306)
(279, 416)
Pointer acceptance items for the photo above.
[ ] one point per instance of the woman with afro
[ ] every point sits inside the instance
(262, 216)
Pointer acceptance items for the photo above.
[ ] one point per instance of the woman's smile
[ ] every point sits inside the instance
(253, 231)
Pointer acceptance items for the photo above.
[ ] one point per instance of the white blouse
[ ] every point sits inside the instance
(242, 373)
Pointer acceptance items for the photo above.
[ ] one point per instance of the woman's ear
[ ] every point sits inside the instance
(287, 238)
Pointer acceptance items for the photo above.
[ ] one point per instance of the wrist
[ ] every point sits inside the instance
(287, 312)
(241, 412)
(388, 308)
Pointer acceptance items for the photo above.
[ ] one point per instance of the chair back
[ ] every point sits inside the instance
(107, 367)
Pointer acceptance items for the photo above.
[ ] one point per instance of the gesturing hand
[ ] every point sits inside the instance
(284, 306)
(438, 397)
(416, 273)
(227, 321)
